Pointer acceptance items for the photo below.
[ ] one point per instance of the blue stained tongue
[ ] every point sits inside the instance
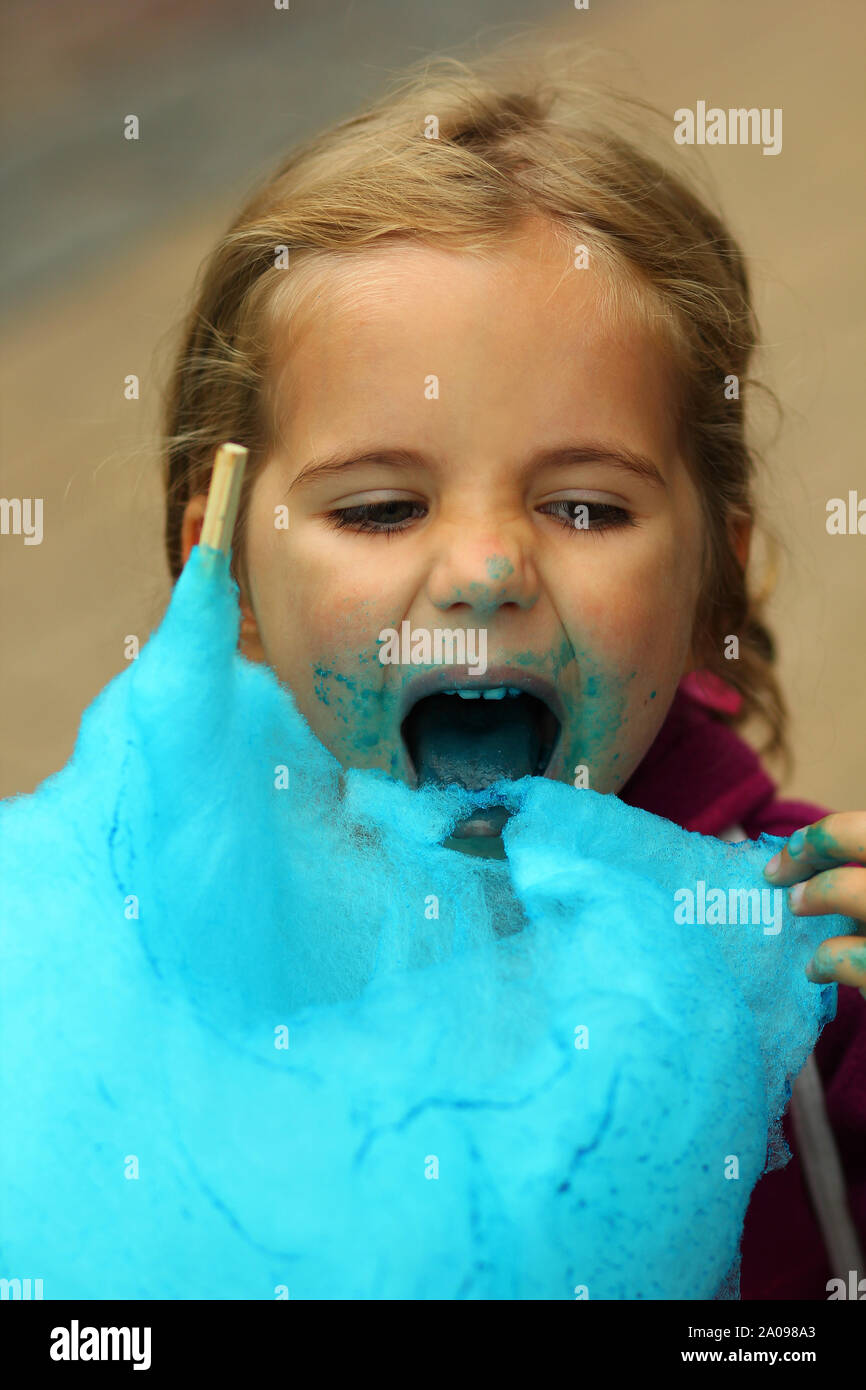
(473, 743)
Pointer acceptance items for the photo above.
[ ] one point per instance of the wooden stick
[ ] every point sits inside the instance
(223, 497)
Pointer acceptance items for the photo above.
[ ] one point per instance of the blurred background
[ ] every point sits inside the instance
(103, 238)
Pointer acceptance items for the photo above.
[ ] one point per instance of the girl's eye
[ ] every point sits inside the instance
(587, 516)
(377, 517)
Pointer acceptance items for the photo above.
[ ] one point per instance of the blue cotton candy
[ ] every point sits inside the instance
(264, 1040)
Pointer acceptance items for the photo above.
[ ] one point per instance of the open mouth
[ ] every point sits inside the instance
(477, 734)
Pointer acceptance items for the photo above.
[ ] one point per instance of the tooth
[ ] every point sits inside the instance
(469, 694)
(497, 694)
(513, 690)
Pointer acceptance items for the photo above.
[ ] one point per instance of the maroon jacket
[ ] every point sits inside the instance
(700, 774)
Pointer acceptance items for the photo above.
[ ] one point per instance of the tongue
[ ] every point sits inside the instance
(474, 742)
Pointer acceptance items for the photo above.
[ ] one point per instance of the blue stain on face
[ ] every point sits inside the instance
(320, 686)
(485, 598)
(499, 567)
(594, 702)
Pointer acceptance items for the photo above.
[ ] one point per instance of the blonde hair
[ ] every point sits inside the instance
(519, 135)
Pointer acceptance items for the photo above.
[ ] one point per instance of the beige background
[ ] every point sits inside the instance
(103, 252)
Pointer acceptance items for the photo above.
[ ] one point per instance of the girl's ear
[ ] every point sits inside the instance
(190, 527)
(249, 639)
(741, 540)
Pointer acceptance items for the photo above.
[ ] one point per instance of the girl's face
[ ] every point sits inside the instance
(468, 447)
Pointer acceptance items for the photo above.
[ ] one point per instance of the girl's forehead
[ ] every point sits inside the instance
(521, 351)
(521, 343)
(542, 267)
(401, 296)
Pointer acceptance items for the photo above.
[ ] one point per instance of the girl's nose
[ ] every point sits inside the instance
(484, 575)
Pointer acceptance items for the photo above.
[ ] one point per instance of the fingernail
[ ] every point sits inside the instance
(797, 841)
(795, 896)
(772, 868)
(821, 969)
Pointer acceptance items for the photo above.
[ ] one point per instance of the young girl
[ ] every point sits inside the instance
(477, 345)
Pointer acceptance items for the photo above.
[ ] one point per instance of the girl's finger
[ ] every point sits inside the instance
(837, 839)
(833, 890)
(841, 959)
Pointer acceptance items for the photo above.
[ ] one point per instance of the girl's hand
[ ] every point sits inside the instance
(812, 861)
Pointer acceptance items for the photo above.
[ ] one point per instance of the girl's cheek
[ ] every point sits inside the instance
(344, 627)
(307, 603)
(630, 652)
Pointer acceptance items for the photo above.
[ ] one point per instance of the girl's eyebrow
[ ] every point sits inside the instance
(569, 454)
(339, 462)
(598, 452)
